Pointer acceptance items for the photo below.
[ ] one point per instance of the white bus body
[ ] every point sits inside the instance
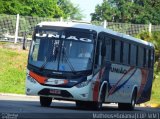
(119, 69)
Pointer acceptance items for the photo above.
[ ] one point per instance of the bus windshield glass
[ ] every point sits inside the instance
(62, 49)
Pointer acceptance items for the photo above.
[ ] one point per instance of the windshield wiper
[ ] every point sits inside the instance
(43, 65)
(53, 56)
(68, 61)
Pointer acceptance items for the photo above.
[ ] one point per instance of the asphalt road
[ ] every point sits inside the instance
(13, 107)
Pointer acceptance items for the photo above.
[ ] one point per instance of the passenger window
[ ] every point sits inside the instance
(108, 48)
(149, 58)
(137, 55)
(144, 58)
(98, 57)
(121, 53)
(125, 51)
(129, 54)
(117, 51)
(140, 56)
(133, 55)
(152, 58)
(113, 50)
(97, 60)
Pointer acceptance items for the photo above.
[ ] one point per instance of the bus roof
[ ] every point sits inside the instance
(96, 28)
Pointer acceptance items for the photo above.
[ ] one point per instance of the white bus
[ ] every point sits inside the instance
(89, 65)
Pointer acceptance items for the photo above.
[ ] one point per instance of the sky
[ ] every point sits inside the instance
(87, 7)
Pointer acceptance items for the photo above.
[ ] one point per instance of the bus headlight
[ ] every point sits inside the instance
(82, 84)
(29, 78)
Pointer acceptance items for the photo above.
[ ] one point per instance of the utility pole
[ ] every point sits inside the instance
(16, 32)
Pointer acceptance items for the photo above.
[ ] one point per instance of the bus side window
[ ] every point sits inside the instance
(133, 55)
(140, 56)
(144, 58)
(129, 54)
(98, 57)
(125, 53)
(117, 50)
(108, 48)
(150, 58)
(121, 52)
(137, 55)
(97, 53)
(113, 50)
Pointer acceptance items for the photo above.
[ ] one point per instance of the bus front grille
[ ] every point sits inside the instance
(50, 92)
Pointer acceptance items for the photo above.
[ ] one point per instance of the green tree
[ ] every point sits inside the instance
(128, 11)
(69, 10)
(154, 38)
(41, 8)
(103, 12)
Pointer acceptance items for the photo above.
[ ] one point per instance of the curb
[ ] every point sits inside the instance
(28, 96)
(17, 95)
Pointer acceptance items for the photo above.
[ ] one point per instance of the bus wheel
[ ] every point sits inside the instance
(128, 106)
(98, 105)
(131, 105)
(45, 101)
(79, 104)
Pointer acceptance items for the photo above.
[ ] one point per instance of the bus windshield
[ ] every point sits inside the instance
(68, 50)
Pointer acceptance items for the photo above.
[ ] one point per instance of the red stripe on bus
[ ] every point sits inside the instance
(37, 77)
(97, 85)
(96, 90)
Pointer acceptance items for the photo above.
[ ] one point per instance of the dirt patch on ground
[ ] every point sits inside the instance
(13, 46)
(18, 46)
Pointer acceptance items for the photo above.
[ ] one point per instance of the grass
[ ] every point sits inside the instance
(12, 70)
(13, 73)
(155, 97)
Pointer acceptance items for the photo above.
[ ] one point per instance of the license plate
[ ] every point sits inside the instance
(53, 91)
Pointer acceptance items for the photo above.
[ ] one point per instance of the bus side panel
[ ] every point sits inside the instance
(121, 81)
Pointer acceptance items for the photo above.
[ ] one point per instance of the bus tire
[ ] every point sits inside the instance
(45, 101)
(100, 102)
(79, 104)
(128, 106)
(89, 105)
(98, 105)
(95, 105)
(84, 104)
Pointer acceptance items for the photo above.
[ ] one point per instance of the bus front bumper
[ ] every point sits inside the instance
(73, 93)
